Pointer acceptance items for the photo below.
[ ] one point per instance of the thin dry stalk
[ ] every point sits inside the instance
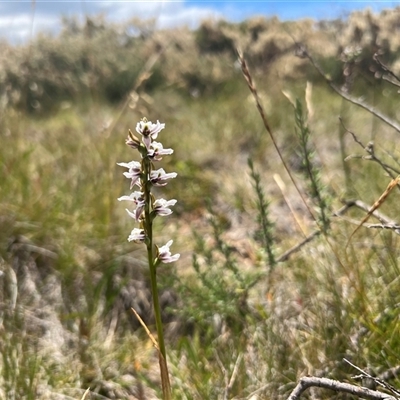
(253, 90)
(233, 376)
(166, 386)
(229, 382)
(393, 183)
(281, 185)
(144, 75)
(149, 334)
(85, 394)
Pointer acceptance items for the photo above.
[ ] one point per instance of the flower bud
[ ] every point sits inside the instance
(132, 140)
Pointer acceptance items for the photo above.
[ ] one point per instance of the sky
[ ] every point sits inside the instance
(21, 20)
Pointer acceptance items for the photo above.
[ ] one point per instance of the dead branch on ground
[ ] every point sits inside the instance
(310, 381)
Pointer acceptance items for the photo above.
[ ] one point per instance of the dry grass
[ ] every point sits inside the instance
(70, 275)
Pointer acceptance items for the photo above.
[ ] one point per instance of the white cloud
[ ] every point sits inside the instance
(20, 28)
(21, 20)
(167, 14)
(190, 17)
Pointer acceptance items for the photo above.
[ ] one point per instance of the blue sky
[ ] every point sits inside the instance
(22, 19)
(293, 9)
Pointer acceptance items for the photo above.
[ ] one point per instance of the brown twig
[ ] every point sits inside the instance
(298, 246)
(363, 206)
(393, 227)
(392, 184)
(386, 69)
(391, 81)
(370, 149)
(378, 381)
(310, 381)
(386, 223)
(303, 52)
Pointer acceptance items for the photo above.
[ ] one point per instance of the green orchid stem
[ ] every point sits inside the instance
(166, 386)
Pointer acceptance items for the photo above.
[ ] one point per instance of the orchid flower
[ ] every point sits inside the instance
(144, 176)
(149, 131)
(157, 150)
(164, 255)
(161, 207)
(159, 177)
(135, 169)
(137, 235)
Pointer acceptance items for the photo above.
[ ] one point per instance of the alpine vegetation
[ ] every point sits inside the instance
(144, 176)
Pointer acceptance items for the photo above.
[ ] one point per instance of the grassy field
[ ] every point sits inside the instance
(242, 321)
